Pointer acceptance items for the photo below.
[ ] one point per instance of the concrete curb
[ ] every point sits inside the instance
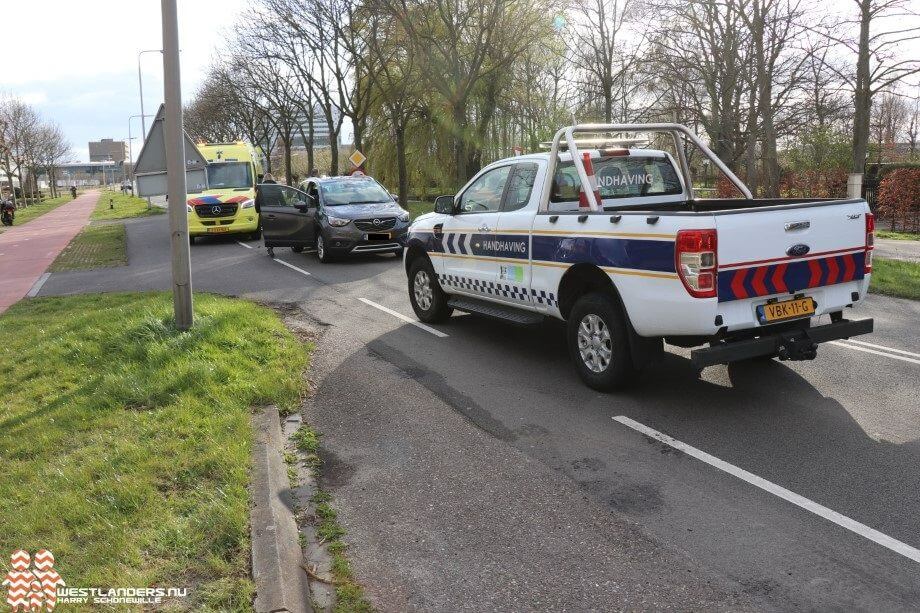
(281, 583)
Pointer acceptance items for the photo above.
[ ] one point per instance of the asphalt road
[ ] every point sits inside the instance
(450, 449)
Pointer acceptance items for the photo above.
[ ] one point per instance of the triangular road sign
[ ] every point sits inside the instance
(150, 168)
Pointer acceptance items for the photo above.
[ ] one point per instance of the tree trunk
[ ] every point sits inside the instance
(460, 159)
(863, 95)
(401, 167)
(311, 162)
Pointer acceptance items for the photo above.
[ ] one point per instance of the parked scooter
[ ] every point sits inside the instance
(7, 212)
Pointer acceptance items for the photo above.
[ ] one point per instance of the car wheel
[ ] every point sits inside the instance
(428, 299)
(322, 252)
(297, 249)
(598, 342)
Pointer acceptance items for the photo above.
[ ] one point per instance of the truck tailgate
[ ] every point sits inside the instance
(816, 250)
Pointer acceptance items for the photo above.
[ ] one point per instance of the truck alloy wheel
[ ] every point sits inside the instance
(598, 339)
(428, 299)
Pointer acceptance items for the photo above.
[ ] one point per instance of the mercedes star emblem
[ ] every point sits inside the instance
(376, 222)
(216, 210)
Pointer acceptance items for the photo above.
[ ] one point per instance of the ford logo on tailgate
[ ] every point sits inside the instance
(798, 250)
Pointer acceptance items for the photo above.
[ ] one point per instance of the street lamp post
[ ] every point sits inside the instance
(131, 151)
(140, 86)
(174, 141)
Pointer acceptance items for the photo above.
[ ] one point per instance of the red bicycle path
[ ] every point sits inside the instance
(28, 250)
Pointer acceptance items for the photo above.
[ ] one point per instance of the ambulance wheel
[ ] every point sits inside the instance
(428, 299)
(598, 339)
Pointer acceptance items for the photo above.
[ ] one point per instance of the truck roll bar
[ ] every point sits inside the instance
(676, 130)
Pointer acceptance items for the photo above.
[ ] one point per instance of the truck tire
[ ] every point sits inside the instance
(598, 340)
(428, 299)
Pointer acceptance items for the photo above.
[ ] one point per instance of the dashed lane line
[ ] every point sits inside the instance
(884, 348)
(830, 515)
(404, 318)
(292, 267)
(242, 244)
(875, 352)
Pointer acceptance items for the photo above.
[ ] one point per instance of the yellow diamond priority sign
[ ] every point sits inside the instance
(357, 158)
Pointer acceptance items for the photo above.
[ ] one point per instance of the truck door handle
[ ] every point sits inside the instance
(270, 216)
(484, 228)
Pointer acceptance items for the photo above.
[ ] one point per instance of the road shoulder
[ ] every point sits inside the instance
(442, 516)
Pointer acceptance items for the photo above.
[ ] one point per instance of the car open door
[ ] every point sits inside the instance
(288, 216)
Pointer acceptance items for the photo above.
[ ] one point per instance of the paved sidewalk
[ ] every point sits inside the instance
(26, 251)
(897, 250)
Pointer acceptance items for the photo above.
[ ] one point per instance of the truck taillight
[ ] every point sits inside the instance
(870, 240)
(695, 260)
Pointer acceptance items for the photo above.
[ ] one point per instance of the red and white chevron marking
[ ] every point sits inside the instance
(20, 559)
(44, 559)
(21, 584)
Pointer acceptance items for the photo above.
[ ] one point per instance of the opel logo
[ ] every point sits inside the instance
(216, 210)
(798, 250)
(377, 222)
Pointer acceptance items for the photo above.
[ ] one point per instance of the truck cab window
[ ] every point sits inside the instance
(520, 186)
(485, 194)
(619, 177)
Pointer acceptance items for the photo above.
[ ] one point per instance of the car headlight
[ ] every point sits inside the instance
(338, 222)
(189, 207)
(248, 204)
(404, 216)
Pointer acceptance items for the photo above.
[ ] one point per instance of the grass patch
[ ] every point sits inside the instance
(124, 206)
(37, 210)
(125, 444)
(349, 595)
(895, 278)
(94, 247)
(898, 236)
(419, 207)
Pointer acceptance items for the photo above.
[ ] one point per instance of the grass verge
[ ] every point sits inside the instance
(125, 444)
(895, 278)
(419, 207)
(898, 236)
(94, 247)
(349, 595)
(124, 206)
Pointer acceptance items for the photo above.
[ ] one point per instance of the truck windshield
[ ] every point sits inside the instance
(227, 175)
(353, 191)
(620, 177)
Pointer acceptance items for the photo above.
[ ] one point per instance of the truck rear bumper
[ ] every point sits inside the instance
(790, 345)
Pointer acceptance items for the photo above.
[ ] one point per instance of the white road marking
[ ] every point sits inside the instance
(843, 521)
(873, 351)
(37, 286)
(884, 348)
(292, 267)
(408, 320)
(244, 244)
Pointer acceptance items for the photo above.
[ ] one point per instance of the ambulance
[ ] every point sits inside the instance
(227, 205)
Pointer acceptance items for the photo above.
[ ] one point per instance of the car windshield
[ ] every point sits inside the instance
(227, 175)
(353, 191)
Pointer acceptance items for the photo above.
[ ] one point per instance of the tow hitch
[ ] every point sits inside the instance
(790, 345)
(799, 347)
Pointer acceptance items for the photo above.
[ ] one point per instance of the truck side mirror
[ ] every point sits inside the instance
(444, 205)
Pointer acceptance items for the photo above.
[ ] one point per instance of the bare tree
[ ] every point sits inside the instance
(878, 66)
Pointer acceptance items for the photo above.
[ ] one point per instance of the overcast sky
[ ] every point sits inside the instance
(81, 65)
(77, 61)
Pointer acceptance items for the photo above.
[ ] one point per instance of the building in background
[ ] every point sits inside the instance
(108, 150)
(87, 174)
(320, 130)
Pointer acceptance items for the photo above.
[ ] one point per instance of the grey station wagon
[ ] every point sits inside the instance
(334, 215)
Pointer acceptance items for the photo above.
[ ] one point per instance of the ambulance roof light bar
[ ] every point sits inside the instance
(676, 131)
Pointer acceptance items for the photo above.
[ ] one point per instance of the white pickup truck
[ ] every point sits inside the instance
(615, 242)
